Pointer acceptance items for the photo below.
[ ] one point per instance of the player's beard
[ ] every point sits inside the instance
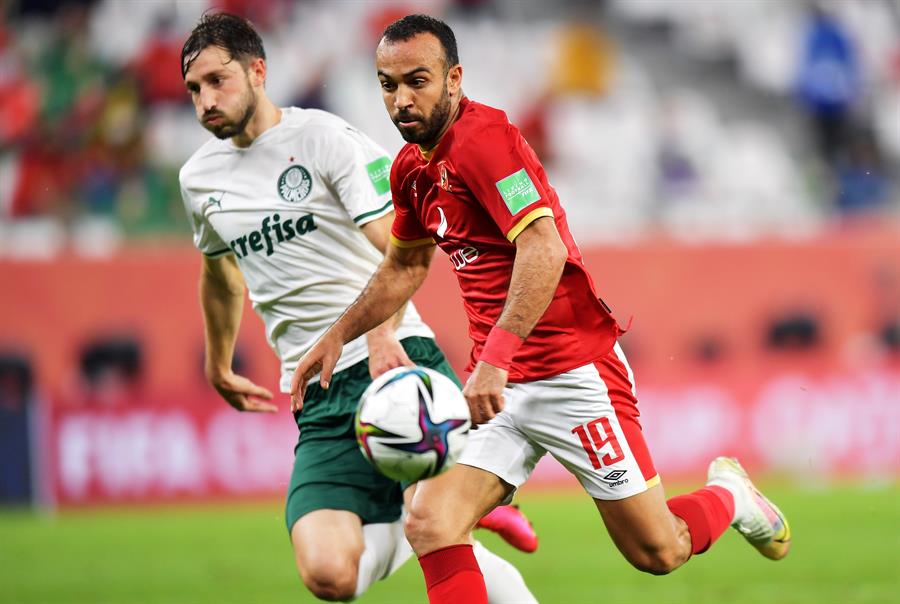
(429, 128)
(228, 128)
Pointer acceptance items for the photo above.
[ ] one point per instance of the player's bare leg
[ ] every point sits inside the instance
(445, 509)
(647, 533)
(439, 523)
(507, 521)
(658, 535)
(327, 548)
(503, 581)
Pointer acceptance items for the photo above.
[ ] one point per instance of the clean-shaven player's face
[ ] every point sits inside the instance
(223, 91)
(417, 88)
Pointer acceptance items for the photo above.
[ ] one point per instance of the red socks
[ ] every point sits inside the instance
(452, 576)
(707, 512)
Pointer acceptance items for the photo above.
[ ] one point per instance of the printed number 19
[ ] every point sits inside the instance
(593, 442)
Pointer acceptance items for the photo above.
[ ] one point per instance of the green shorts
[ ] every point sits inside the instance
(329, 470)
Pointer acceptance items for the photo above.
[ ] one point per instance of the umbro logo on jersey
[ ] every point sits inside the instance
(272, 231)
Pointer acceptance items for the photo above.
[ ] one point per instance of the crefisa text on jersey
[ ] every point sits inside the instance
(259, 240)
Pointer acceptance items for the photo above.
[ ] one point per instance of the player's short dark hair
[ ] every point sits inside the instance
(413, 25)
(229, 32)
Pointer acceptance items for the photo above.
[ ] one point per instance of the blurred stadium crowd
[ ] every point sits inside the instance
(707, 119)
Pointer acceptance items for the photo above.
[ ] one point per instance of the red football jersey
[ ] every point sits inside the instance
(482, 186)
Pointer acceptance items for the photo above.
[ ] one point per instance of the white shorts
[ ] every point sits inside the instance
(587, 418)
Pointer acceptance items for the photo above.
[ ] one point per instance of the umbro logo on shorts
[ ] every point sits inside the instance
(615, 479)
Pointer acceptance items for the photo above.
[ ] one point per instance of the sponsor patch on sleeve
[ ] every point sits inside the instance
(380, 174)
(517, 190)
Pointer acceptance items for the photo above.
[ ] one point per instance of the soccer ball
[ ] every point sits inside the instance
(412, 423)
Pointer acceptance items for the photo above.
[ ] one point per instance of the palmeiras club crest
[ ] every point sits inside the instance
(294, 184)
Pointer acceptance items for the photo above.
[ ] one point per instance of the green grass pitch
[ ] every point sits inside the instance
(846, 550)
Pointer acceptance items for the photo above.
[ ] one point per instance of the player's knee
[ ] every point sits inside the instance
(424, 531)
(332, 581)
(655, 560)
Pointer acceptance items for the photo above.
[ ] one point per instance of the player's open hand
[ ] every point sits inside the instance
(484, 392)
(385, 353)
(321, 359)
(242, 394)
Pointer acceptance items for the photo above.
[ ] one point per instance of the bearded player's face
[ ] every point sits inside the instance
(417, 88)
(221, 91)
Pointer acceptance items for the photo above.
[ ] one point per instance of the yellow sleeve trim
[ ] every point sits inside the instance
(526, 220)
(414, 243)
(653, 482)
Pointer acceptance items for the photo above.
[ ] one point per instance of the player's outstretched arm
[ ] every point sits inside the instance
(392, 285)
(222, 301)
(385, 350)
(537, 269)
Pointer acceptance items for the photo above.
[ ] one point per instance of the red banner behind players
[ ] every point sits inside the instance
(842, 426)
(712, 377)
(168, 451)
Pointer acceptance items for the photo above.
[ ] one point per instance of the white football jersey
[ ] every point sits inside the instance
(290, 207)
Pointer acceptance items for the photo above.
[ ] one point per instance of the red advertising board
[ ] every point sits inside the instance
(828, 412)
(837, 425)
(167, 451)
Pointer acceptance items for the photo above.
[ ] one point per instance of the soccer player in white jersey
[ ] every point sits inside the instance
(295, 205)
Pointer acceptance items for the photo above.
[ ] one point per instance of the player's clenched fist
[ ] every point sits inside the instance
(321, 359)
(484, 392)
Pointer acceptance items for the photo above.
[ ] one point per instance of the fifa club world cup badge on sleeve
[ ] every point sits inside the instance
(379, 172)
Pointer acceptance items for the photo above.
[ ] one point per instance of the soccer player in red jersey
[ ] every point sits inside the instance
(547, 372)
